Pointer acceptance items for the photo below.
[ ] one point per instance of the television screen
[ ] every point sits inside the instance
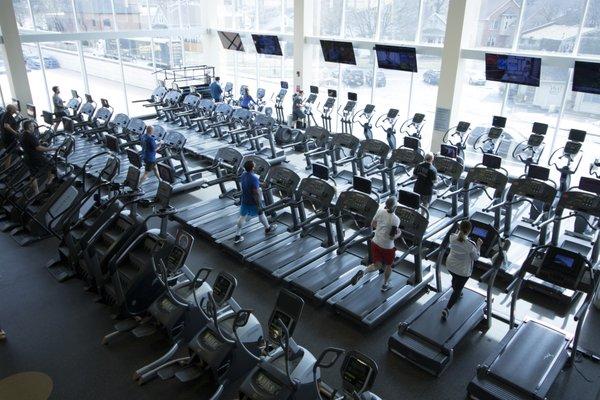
(411, 142)
(589, 184)
(586, 77)
(267, 44)
(231, 41)
(338, 52)
(513, 69)
(361, 184)
(398, 58)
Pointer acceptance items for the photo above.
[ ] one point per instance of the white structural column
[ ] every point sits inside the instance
(13, 54)
(461, 16)
(302, 20)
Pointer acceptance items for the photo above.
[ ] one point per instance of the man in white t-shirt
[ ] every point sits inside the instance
(386, 225)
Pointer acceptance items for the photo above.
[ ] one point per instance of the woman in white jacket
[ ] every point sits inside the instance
(463, 254)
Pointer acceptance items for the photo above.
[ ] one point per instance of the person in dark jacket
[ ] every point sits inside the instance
(426, 175)
(216, 91)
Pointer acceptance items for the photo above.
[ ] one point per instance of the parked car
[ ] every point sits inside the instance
(353, 77)
(431, 77)
(477, 79)
(509, 140)
(33, 62)
(380, 78)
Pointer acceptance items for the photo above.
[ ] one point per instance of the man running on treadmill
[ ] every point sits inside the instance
(426, 175)
(250, 203)
(39, 166)
(386, 224)
(9, 129)
(149, 149)
(215, 90)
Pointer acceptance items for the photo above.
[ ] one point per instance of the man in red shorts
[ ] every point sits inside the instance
(386, 225)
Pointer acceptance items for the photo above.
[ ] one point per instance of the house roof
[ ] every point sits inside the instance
(104, 7)
(489, 9)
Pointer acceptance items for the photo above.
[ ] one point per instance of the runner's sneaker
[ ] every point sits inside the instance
(271, 229)
(445, 314)
(238, 239)
(357, 277)
(386, 287)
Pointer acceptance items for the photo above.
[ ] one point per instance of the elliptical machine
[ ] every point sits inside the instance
(328, 109)
(358, 374)
(364, 117)
(284, 369)
(490, 143)
(457, 136)
(412, 127)
(308, 106)
(280, 115)
(387, 122)
(347, 114)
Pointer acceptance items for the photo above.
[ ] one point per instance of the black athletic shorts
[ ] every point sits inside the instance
(149, 166)
(39, 168)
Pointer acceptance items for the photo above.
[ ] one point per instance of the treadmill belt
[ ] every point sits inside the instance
(254, 237)
(484, 218)
(366, 298)
(442, 206)
(203, 209)
(218, 225)
(526, 233)
(288, 254)
(327, 273)
(575, 247)
(430, 326)
(528, 355)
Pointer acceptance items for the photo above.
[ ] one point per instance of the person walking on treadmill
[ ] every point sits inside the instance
(386, 224)
(298, 114)
(250, 203)
(149, 149)
(216, 91)
(246, 100)
(459, 262)
(426, 175)
(59, 106)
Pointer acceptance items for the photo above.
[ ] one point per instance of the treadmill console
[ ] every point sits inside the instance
(487, 235)
(230, 156)
(261, 166)
(557, 266)
(412, 223)
(487, 176)
(448, 150)
(174, 140)
(316, 133)
(585, 202)
(345, 140)
(533, 189)
(374, 147)
(318, 193)
(358, 204)
(283, 179)
(362, 184)
(451, 167)
(405, 156)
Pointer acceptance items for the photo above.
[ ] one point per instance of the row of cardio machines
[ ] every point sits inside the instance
(140, 273)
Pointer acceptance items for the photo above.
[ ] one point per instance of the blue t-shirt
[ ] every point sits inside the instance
(148, 148)
(249, 183)
(215, 90)
(246, 100)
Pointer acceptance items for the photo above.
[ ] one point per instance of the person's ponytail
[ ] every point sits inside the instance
(464, 228)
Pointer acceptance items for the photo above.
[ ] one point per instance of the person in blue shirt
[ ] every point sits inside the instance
(250, 203)
(246, 100)
(149, 149)
(215, 89)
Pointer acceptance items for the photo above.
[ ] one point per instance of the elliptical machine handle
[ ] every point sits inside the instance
(320, 363)
(242, 316)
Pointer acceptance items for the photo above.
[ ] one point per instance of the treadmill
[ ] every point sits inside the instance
(326, 276)
(315, 235)
(424, 338)
(283, 182)
(530, 357)
(582, 200)
(365, 302)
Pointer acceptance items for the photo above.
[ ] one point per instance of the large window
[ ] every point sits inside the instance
(327, 17)
(361, 19)
(138, 68)
(590, 37)
(94, 15)
(53, 15)
(5, 93)
(399, 20)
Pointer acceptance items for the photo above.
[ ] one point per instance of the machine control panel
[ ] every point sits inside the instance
(572, 148)
(316, 133)
(283, 180)
(229, 155)
(241, 114)
(345, 140)
(448, 166)
(358, 204)
(487, 176)
(174, 140)
(560, 267)
(317, 192)
(585, 202)
(533, 189)
(132, 179)
(374, 147)
(136, 125)
(406, 156)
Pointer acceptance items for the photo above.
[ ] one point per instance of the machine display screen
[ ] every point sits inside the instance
(392, 113)
(539, 128)
(31, 111)
(267, 384)
(210, 339)
(418, 118)
(513, 69)
(589, 184)
(577, 135)
(411, 142)
(491, 161)
(267, 44)
(231, 41)
(352, 96)
(369, 108)
(563, 260)
(314, 90)
(498, 121)
(396, 58)
(479, 232)
(320, 171)
(586, 77)
(463, 126)
(74, 94)
(338, 52)
(356, 373)
(17, 104)
(284, 84)
(176, 258)
(409, 199)
(449, 151)
(361, 184)
(537, 172)
(494, 132)
(331, 93)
